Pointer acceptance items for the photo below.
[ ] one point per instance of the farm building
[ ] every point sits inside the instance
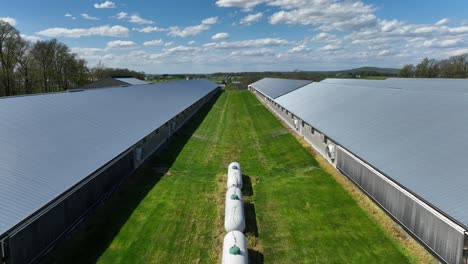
(268, 89)
(63, 153)
(113, 82)
(402, 142)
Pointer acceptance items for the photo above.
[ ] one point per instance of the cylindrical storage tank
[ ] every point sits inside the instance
(234, 166)
(234, 179)
(234, 218)
(235, 248)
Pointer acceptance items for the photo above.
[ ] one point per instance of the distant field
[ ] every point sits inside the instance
(168, 212)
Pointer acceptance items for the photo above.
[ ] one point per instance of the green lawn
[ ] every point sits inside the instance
(302, 214)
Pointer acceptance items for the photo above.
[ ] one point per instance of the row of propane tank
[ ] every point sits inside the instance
(235, 243)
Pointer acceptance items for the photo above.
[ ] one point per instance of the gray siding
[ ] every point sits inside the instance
(434, 230)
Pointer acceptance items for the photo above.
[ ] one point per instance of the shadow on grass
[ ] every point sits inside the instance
(251, 227)
(94, 235)
(247, 189)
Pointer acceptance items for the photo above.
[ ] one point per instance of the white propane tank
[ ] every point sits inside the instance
(234, 218)
(234, 166)
(235, 248)
(234, 179)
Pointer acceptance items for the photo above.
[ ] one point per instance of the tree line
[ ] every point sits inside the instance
(453, 67)
(45, 66)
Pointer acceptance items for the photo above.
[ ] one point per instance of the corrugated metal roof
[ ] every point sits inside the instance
(274, 88)
(131, 81)
(458, 86)
(417, 138)
(51, 142)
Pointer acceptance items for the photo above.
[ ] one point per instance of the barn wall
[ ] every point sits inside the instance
(28, 242)
(438, 233)
(33, 238)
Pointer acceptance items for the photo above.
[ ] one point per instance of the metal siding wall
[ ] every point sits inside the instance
(29, 242)
(443, 238)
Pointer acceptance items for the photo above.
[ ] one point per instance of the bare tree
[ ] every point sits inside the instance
(9, 39)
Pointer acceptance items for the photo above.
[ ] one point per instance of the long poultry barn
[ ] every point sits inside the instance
(63, 153)
(402, 141)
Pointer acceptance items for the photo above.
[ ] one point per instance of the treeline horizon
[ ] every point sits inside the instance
(453, 67)
(45, 66)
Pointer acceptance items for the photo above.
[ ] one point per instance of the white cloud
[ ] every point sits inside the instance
(121, 44)
(384, 53)
(219, 36)
(192, 42)
(85, 52)
(30, 38)
(106, 4)
(443, 43)
(330, 48)
(244, 4)
(167, 44)
(180, 49)
(210, 21)
(325, 37)
(188, 31)
(443, 21)
(150, 29)
(88, 17)
(257, 52)
(68, 15)
(192, 30)
(326, 15)
(299, 49)
(252, 18)
(265, 42)
(9, 20)
(108, 31)
(156, 42)
(121, 15)
(138, 20)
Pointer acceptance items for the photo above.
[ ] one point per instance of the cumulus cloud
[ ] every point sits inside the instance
(210, 21)
(299, 49)
(250, 19)
(156, 42)
(108, 31)
(443, 21)
(9, 20)
(106, 4)
(325, 37)
(384, 53)
(150, 29)
(264, 42)
(443, 43)
(219, 36)
(70, 16)
(167, 44)
(138, 20)
(121, 44)
(330, 48)
(257, 52)
(244, 4)
(192, 42)
(187, 31)
(88, 17)
(121, 15)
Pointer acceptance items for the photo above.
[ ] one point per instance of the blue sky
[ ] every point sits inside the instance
(206, 36)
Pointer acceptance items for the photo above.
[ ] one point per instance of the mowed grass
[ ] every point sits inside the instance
(167, 212)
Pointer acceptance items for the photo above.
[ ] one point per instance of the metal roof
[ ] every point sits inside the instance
(274, 88)
(419, 139)
(131, 81)
(51, 142)
(458, 86)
